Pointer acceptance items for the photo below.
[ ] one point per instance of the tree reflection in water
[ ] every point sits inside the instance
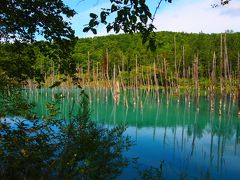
(51, 147)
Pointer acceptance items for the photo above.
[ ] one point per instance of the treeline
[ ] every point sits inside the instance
(103, 58)
(123, 49)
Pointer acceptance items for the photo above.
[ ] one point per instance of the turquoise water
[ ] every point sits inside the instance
(192, 144)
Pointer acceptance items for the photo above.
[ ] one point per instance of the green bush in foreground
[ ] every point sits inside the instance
(58, 148)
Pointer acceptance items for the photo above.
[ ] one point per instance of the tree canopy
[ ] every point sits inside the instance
(23, 20)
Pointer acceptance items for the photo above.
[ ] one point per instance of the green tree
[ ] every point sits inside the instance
(23, 20)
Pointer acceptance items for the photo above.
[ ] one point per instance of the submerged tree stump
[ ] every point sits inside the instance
(116, 94)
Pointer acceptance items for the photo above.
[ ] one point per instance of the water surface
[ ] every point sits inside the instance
(192, 144)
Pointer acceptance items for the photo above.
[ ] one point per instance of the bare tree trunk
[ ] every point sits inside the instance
(208, 93)
(93, 76)
(83, 78)
(226, 70)
(58, 71)
(230, 80)
(107, 64)
(136, 82)
(189, 85)
(88, 71)
(226, 64)
(136, 75)
(196, 82)
(143, 81)
(53, 78)
(156, 82)
(221, 78)
(97, 76)
(166, 79)
(148, 80)
(88, 78)
(175, 65)
(116, 88)
(175, 57)
(213, 75)
(53, 73)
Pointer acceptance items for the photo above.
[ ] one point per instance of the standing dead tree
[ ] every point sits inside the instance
(220, 76)
(213, 82)
(195, 74)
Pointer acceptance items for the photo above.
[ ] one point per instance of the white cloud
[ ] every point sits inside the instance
(199, 16)
(181, 16)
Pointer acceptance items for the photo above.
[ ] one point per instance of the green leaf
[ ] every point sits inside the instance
(103, 17)
(94, 30)
(86, 29)
(109, 27)
(94, 16)
(133, 19)
(116, 28)
(92, 22)
(144, 18)
(114, 8)
(142, 1)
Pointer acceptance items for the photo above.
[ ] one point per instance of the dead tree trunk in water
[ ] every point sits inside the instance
(53, 77)
(53, 73)
(116, 88)
(189, 85)
(156, 82)
(165, 73)
(136, 75)
(124, 88)
(213, 77)
(226, 70)
(88, 68)
(88, 84)
(176, 86)
(195, 71)
(166, 78)
(107, 64)
(221, 78)
(136, 82)
(148, 81)
(184, 71)
(105, 75)
(97, 76)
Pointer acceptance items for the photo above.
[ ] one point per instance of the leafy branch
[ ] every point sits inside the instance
(131, 16)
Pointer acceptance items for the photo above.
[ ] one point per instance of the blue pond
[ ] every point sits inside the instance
(193, 144)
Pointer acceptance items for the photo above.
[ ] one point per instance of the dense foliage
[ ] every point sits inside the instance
(125, 48)
(23, 20)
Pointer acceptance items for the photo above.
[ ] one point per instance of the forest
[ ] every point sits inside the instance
(42, 63)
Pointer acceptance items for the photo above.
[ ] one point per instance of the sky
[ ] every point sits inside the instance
(192, 16)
